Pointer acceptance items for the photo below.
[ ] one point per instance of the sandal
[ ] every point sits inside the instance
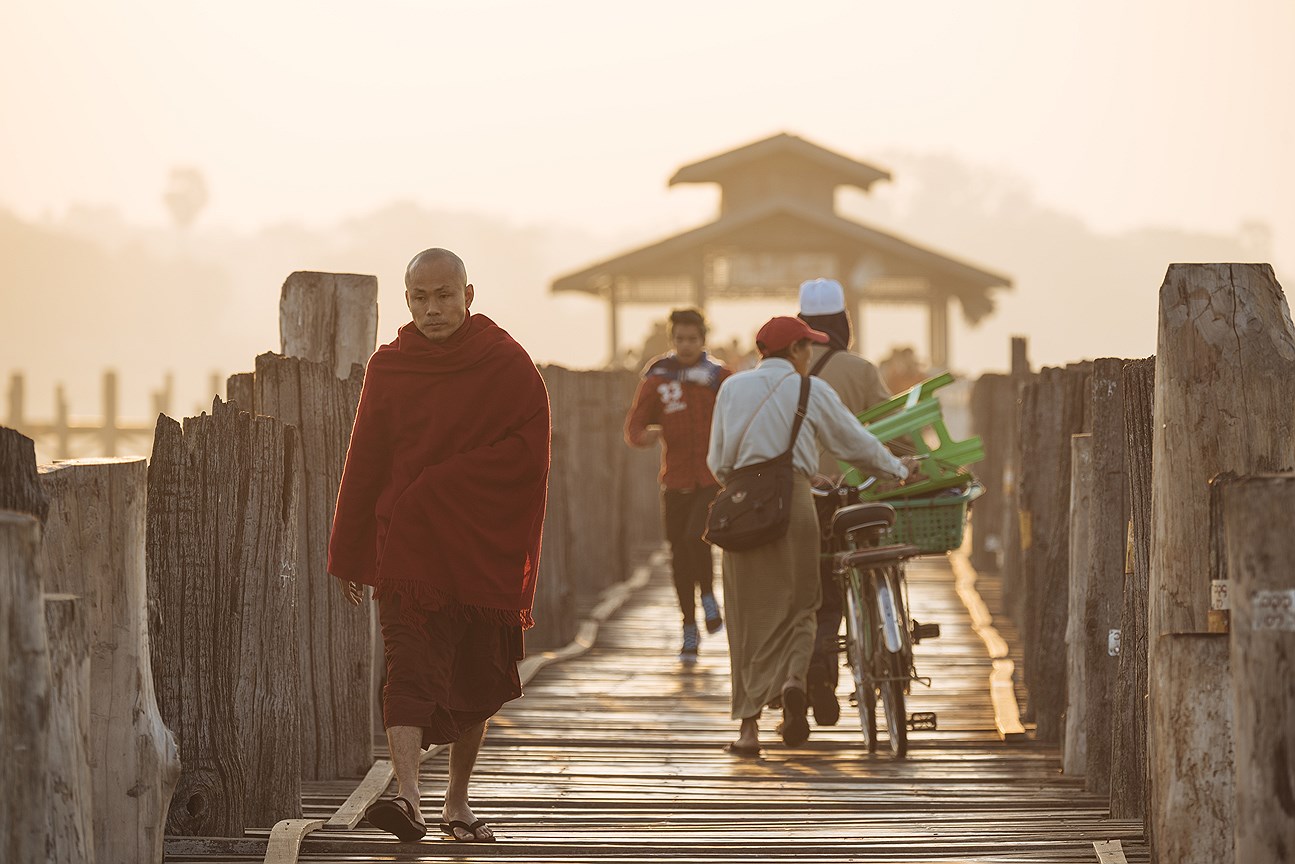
(448, 828)
(396, 816)
(749, 751)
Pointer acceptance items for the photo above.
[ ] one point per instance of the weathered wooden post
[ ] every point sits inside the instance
(1108, 533)
(992, 406)
(20, 488)
(1129, 778)
(24, 693)
(329, 319)
(222, 519)
(69, 818)
(1075, 742)
(1013, 515)
(1053, 409)
(1224, 401)
(1191, 769)
(336, 651)
(554, 597)
(1260, 548)
(94, 549)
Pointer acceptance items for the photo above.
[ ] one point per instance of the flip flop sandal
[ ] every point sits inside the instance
(795, 728)
(396, 816)
(447, 828)
(745, 750)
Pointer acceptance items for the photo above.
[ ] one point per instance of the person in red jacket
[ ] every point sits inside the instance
(674, 405)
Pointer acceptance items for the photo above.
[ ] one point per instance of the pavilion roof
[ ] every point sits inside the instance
(724, 166)
(785, 225)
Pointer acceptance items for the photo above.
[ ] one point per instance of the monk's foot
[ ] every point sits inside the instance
(417, 809)
(458, 821)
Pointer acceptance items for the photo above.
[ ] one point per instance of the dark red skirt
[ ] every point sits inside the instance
(445, 674)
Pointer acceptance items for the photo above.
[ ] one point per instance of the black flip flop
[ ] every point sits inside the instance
(447, 828)
(746, 750)
(396, 816)
(795, 728)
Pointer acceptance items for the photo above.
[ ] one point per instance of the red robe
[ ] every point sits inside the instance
(442, 497)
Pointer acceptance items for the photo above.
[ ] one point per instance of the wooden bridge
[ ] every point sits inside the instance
(181, 682)
(616, 755)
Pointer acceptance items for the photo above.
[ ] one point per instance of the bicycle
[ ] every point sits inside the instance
(879, 635)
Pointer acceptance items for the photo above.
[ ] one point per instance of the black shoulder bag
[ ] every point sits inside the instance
(754, 507)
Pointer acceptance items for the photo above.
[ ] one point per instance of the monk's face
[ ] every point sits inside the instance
(438, 298)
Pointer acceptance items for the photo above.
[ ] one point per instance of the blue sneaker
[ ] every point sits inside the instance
(691, 641)
(714, 621)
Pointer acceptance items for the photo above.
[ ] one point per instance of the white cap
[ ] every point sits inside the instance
(821, 297)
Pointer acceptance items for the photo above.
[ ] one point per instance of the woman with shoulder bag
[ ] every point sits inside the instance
(764, 448)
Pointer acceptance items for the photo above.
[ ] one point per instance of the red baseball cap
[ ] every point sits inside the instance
(782, 331)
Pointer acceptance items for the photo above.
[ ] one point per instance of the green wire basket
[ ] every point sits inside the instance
(934, 524)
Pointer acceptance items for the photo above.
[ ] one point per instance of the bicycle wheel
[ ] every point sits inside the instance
(892, 702)
(858, 656)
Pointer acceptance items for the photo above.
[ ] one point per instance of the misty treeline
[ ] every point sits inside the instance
(87, 290)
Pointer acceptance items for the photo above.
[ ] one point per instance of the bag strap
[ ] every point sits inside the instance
(822, 361)
(801, 405)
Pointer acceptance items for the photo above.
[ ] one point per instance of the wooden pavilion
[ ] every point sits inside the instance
(777, 227)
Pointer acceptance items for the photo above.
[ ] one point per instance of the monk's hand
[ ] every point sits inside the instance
(912, 463)
(651, 435)
(352, 591)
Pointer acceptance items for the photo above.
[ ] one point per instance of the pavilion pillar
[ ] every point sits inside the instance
(613, 323)
(939, 332)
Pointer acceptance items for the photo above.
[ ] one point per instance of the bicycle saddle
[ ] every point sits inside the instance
(858, 516)
(865, 558)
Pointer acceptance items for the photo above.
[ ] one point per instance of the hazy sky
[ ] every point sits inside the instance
(573, 113)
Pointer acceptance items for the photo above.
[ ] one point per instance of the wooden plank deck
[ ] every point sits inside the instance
(616, 756)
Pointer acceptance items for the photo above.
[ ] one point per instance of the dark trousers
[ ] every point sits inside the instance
(825, 662)
(684, 513)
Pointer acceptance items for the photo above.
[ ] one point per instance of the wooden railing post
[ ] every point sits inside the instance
(94, 549)
(1260, 551)
(110, 418)
(1191, 769)
(14, 414)
(1074, 752)
(992, 408)
(222, 519)
(1053, 409)
(1129, 778)
(1013, 515)
(20, 487)
(1224, 401)
(330, 318)
(1107, 546)
(69, 818)
(336, 654)
(24, 694)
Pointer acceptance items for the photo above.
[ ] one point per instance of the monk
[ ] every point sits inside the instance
(440, 509)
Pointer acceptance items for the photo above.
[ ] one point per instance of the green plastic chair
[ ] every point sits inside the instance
(914, 416)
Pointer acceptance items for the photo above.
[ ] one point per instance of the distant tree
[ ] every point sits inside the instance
(185, 195)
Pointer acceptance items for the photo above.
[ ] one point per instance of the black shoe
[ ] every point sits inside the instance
(714, 620)
(822, 700)
(795, 728)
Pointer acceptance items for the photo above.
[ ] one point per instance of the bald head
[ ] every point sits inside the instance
(438, 293)
(439, 258)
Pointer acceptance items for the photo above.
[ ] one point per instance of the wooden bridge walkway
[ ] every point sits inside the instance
(616, 755)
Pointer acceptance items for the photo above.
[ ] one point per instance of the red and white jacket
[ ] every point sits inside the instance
(680, 399)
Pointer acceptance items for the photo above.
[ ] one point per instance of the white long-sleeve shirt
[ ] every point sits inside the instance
(743, 431)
